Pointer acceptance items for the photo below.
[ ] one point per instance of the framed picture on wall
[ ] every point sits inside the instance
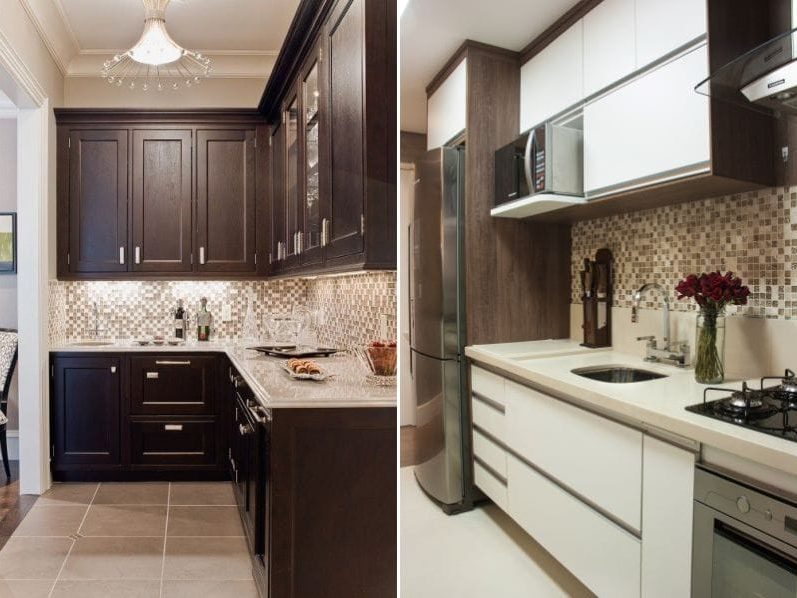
(8, 242)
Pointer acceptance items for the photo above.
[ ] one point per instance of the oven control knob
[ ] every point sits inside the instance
(743, 504)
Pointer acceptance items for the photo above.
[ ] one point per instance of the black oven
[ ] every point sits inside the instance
(745, 540)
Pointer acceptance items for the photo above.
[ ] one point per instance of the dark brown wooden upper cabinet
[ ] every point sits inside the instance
(277, 197)
(293, 182)
(161, 206)
(346, 201)
(225, 205)
(313, 148)
(97, 203)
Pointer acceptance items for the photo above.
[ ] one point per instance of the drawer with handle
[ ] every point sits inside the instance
(488, 406)
(172, 384)
(172, 442)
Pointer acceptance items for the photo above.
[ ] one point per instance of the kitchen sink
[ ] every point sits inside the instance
(92, 344)
(616, 374)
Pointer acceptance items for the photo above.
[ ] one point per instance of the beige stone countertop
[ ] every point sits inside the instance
(654, 404)
(272, 386)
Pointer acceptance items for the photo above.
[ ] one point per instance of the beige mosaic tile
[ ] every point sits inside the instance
(753, 234)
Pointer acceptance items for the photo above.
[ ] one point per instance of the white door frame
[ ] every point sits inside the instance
(34, 137)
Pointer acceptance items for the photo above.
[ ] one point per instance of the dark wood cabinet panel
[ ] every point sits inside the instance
(226, 200)
(346, 201)
(313, 130)
(277, 201)
(85, 410)
(97, 207)
(168, 442)
(161, 206)
(293, 184)
(173, 384)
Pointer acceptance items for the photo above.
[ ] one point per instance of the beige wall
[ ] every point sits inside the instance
(90, 92)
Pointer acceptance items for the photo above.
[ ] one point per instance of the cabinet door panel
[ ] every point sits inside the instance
(98, 193)
(161, 201)
(167, 442)
(655, 127)
(226, 201)
(293, 185)
(347, 153)
(85, 411)
(172, 384)
(277, 199)
(609, 44)
(313, 158)
(662, 27)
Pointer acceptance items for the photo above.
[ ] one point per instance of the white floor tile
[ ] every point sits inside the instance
(475, 554)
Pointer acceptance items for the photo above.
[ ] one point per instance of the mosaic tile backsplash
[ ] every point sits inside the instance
(352, 305)
(753, 234)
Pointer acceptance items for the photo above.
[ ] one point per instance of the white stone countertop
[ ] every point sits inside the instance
(273, 387)
(654, 404)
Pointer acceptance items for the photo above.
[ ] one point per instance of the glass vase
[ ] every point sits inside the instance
(710, 352)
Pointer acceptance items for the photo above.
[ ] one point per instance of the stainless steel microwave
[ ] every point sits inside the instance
(546, 161)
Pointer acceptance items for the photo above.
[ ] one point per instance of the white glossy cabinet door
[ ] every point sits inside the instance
(446, 109)
(654, 128)
(596, 458)
(603, 556)
(609, 44)
(553, 80)
(663, 26)
(667, 504)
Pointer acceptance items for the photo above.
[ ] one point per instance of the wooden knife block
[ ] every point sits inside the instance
(598, 310)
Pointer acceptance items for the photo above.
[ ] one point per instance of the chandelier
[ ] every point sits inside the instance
(156, 61)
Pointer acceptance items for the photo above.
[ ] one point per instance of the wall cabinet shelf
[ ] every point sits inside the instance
(149, 194)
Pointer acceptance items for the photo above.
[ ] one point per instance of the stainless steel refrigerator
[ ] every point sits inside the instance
(437, 329)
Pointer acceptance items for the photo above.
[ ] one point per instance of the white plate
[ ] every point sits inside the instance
(317, 377)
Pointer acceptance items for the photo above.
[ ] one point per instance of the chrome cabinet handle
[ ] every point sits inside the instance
(173, 427)
(324, 232)
(113, 369)
(121, 255)
(243, 430)
(138, 254)
(152, 375)
(201, 255)
(159, 362)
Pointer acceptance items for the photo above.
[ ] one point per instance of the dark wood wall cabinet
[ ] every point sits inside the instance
(331, 103)
(152, 194)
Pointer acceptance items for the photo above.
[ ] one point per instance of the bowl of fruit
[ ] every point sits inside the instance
(378, 359)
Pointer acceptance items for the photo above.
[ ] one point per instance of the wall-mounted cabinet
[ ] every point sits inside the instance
(609, 44)
(147, 194)
(332, 102)
(446, 109)
(662, 27)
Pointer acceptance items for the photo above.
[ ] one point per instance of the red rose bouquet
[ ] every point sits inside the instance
(712, 291)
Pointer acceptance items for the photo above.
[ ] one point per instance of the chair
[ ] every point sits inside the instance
(9, 348)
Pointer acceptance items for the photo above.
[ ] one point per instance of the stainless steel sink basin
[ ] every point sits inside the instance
(616, 374)
(92, 344)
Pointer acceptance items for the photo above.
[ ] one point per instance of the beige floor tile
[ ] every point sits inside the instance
(132, 493)
(207, 559)
(114, 559)
(33, 558)
(202, 493)
(51, 521)
(107, 589)
(129, 520)
(204, 521)
(66, 494)
(25, 588)
(209, 589)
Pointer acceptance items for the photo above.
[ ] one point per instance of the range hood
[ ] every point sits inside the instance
(763, 79)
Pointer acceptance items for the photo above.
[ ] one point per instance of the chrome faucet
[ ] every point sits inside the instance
(674, 353)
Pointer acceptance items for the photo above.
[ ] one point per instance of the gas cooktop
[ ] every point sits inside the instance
(768, 409)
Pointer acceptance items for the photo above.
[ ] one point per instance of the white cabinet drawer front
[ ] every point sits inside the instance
(552, 80)
(603, 556)
(654, 128)
(662, 27)
(487, 384)
(490, 453)
(596, 458)
(489, 418)
(446, 109)
(490, 485)
(609, 48)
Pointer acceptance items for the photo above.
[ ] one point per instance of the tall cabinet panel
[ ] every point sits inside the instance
(226, 201)
(161, 228)
(311, 129)
(293, 184)
(98, 194)
(347, 151)
(277, 197)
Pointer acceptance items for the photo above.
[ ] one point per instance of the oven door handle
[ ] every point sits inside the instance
(531, 144)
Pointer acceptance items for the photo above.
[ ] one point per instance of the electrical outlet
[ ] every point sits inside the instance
(226, 312)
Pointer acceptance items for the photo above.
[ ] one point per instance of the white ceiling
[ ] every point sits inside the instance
(431, 31)
(241, 26)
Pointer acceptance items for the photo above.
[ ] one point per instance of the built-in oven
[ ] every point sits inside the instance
(745, 539)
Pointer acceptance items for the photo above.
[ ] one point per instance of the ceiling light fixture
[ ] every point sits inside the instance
(156, 61)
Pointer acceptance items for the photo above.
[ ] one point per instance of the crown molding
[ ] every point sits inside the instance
(53, 29)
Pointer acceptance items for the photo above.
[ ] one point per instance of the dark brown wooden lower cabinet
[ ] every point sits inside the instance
(172, 442)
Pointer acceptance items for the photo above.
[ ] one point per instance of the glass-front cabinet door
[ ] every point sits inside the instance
(292, 182)
(311, 124)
